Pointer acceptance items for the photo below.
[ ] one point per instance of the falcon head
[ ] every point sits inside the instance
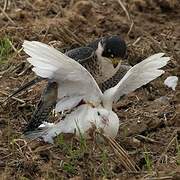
(113, 48)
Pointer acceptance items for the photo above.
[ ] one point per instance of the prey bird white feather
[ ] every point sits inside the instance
(76, 85)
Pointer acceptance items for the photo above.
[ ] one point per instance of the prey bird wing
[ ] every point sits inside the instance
(77, 54)
(139, 75)
(74, 81)
(123, 69)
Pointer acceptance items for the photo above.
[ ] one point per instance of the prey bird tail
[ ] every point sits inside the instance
(40, 132)
(44, 107)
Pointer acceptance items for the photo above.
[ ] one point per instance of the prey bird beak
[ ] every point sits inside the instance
(115, 62)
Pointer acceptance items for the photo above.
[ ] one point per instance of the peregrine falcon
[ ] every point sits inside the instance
(101, 58)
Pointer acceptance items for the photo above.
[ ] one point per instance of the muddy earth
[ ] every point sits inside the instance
(150, 116)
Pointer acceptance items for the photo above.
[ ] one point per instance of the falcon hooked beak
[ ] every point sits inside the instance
(115, 61)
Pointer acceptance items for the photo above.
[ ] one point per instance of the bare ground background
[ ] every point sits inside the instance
(150, 116)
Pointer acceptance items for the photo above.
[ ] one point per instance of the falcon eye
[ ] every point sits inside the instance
(98, 113)
(112, 55)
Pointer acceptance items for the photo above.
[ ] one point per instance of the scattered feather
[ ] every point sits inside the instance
(171, 82)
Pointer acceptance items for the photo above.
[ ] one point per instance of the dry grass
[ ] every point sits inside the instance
(147, 146)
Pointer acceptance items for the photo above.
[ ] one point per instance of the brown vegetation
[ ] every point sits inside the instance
(150, 116)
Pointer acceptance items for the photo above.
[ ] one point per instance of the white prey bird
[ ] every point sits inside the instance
(79, 92)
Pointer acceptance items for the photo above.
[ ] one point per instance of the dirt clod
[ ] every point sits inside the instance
(150, 116)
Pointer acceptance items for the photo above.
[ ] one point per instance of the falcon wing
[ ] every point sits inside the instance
(139, 75)
(81, 54)
(74, 81)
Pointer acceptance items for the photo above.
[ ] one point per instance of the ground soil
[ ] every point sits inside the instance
(150, 116)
